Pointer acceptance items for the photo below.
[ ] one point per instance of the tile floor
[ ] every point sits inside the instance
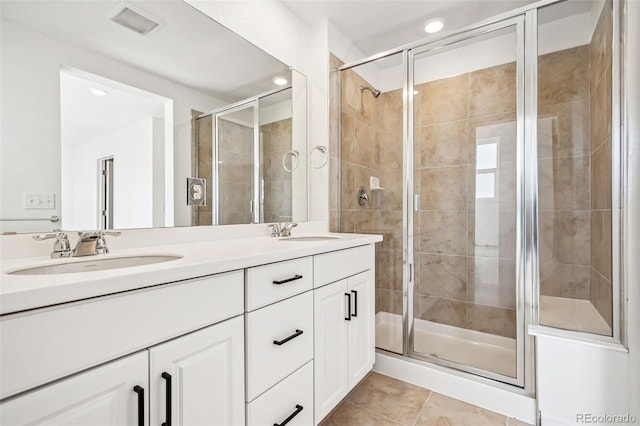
(380, 401)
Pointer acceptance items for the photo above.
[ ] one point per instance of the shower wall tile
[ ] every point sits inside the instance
(564, 183)
(601, 244)
(546, 237)
(390, 150)
(443, 311)
(492, 282)
(333, 185)
(390, 269)
(443, 232)
(562, 280)
(391, 181)
(367, 152)
(367, 221)
(444, 188)
(390, 110)
(571, 242)
(563, 76)
(601, 177)
(444, 100)
(600, 46)
(491, 319)
(599, 130)
(348, 130)
(443, 144)
(348, 221)
(391, 228)
(569, 130)
(492, 90)
(334, 131)
(446, 276)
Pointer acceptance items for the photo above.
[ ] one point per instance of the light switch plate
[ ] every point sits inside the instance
(34, 201)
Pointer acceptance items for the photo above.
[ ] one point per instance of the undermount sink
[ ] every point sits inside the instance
(96, 264)
(310, 238)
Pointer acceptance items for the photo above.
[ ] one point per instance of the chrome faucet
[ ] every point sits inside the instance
(282, 229)
(61, 247)
(93, 242)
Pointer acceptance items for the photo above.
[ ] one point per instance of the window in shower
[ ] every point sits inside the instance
(575, 166)
(465, 141)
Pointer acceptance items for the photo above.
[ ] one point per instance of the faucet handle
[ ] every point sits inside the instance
(101, 242)
(61, 248)
(286, 228)
(275, 230)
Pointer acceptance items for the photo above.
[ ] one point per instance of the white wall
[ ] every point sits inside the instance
(132, 149)
(273, 28)
(30, 108)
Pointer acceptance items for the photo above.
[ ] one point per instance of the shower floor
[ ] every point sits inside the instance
(467, 347)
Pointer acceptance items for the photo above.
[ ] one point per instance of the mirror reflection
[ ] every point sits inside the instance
(110, 107)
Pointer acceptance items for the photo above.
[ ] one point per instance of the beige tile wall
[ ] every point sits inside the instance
(235, 170)
(276, 142)
(465, 246)
(202, 146)
(563, 173)
(600, 149)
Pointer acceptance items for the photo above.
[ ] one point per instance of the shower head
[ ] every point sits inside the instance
(374, 92)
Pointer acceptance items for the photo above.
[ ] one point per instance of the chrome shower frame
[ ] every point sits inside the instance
(527, 256)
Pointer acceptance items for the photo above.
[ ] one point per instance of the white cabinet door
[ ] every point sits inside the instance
(204, 371)
(361, 327)
(102, 396)
(331, 351)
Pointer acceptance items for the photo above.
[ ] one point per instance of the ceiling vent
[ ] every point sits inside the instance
(134, 21)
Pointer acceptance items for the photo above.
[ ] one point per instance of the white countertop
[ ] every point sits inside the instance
(23, 292)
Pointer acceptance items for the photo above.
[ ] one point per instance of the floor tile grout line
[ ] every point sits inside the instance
(426, 401)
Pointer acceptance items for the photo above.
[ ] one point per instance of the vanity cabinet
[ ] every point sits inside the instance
(273, 344)
(102, 396)
(198, 379)
(344, 334)
(195, 379)
(279, 338)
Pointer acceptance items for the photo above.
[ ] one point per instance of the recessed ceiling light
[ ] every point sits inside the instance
(434, 25)
(280, 81)
(98, 92)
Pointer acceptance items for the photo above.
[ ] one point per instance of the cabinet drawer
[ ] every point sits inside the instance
(284, 400)
(47, 344)
(270, 283)
(334, 266)
(279, 341)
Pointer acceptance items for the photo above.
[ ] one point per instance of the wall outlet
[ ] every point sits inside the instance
(33, 201)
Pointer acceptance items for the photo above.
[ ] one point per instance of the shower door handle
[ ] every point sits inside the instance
(416, 202)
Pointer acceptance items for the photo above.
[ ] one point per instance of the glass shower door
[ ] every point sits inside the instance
(466, 102)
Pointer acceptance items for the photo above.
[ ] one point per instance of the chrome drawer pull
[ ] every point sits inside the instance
(288, 419)
(288, 280)
(286, 339)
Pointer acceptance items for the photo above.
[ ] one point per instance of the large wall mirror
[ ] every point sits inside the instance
(141, 114)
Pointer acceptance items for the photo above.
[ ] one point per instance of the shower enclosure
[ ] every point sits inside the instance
(496, 162)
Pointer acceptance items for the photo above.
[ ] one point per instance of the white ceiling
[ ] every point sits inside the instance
(376, 26)
(188, 47)
(85, 116)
